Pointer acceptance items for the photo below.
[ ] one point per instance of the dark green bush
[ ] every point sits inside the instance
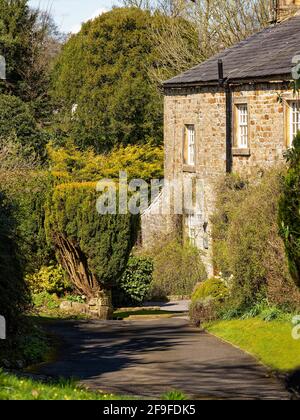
(133, 288)
(26, 186)
(93, 249)
(35, 347)
(26, 41)
(14, 298)
(104, 70)
(30, 345)
(29, 200)
(18, 124)
(289, 210)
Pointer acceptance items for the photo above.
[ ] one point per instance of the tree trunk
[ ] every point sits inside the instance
(75, 264)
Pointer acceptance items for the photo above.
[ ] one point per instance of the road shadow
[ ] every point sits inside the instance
(150, 358)
(293, 383)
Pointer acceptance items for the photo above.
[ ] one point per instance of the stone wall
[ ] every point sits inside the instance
(287, 8)
(155, 225)
(99, 307)
(205, 108)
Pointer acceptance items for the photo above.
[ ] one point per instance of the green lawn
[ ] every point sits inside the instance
(20, 389)
(143, 312)
(13, 388)
(270, 342)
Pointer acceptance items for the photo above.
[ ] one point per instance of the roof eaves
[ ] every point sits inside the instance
(235, 81)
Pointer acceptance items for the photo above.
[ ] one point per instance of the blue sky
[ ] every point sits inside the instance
(69, 14)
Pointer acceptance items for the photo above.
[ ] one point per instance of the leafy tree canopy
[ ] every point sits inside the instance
(16, 28)
(104, 71)
(29, 41)
(18, 124)
(92, 248)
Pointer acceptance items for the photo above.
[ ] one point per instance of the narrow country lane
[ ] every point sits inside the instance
(153, 357)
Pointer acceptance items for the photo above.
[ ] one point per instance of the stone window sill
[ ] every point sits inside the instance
(241, 152)
(188, 168)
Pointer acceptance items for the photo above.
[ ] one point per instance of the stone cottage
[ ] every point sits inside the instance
(225, 116)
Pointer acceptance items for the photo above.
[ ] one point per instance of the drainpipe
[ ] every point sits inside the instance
(224, 83)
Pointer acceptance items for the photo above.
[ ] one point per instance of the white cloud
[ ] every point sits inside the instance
(97, 13)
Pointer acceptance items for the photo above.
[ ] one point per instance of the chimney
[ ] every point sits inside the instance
(285, 9)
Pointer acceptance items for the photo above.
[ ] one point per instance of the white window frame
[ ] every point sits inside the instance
(191, 145)
(243, 126)
(294, 120)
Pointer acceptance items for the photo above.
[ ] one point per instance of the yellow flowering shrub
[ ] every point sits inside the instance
(52, 280)
(70, 164)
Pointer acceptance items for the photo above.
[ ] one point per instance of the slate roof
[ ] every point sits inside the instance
(267, 54)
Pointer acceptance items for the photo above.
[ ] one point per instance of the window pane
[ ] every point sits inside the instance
(295, 120)
(190, 145)
(242, 140)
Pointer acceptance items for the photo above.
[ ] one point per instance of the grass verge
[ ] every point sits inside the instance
(15, 388)
(270, 342)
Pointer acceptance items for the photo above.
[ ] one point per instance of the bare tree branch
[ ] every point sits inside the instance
(190, 32)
